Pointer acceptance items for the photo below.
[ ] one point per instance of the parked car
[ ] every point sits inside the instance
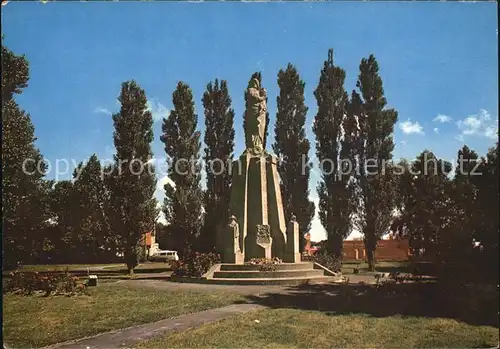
(164, 256)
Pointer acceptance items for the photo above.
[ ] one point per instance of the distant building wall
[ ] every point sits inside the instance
(392, 249)
(387, 250)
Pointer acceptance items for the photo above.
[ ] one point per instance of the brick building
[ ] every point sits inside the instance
(387, 250)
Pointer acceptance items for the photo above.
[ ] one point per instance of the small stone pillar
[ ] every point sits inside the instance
(292, 241)
(264, 239)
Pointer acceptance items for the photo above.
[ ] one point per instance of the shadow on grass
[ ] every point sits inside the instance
(394, 269)
(474, 305)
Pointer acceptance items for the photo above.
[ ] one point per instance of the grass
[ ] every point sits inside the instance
(100, 269)
(48, 267)
(383, 266)
(35, 321)
(149, 267)
(293, 328)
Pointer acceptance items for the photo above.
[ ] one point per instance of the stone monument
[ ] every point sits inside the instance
(255, 201)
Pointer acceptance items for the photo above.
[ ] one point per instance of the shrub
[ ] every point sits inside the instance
(328, 261)
(50, 283)
(195, 264)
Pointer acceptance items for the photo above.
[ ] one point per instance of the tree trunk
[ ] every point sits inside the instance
(370, 241)
(371, 261)
(335, 246)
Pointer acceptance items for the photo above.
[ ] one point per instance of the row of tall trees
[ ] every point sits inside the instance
(87, 218)
(93, 216)
(353, 134)
(362, 187)
(195, 217)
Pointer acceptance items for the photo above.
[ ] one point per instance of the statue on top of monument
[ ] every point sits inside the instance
(255, 116)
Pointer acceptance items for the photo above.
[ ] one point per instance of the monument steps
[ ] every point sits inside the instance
(283, 266)
(281, 274)
(289, 281)
(250, 274)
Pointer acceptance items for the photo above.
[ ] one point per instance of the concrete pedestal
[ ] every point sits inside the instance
(292, 245)
(256, 203)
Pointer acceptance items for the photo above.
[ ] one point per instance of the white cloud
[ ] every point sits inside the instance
(411, 127)
(479, 124)
(100, 110)
(164, 180)
(442, 118)
(160, 187)
(355, 234)
(161, 215)
(402, 142)
(491, 132)
(203, 173)
(318, 233)
(157, 109)
(435, 129)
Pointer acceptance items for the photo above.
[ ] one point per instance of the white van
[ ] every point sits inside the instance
(164, 256)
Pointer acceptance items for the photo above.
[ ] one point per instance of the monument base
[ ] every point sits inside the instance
(233, 257)
(239, 258)
(282, 274)
(257, 205)
(265, 251)
(293, 258)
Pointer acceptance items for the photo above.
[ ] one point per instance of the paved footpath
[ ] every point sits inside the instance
(128, 337)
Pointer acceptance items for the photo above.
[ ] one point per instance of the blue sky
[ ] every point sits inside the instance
(438, 62)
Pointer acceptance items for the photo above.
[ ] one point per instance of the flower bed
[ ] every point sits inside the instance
(265, 264)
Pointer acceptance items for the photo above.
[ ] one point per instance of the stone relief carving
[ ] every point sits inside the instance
(263, 234)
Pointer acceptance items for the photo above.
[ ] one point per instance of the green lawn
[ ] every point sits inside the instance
(347, 267)
(101, 269)
(36, 321)
(150, 267)
(383, 266)
(293, 328)
(48, 267)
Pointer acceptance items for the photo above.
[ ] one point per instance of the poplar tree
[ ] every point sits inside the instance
(63, 235)
(292, 148)
(219, 141)
(93, 225)
(132, 181)
(335, 152)
(374, 150)
(183, 202)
